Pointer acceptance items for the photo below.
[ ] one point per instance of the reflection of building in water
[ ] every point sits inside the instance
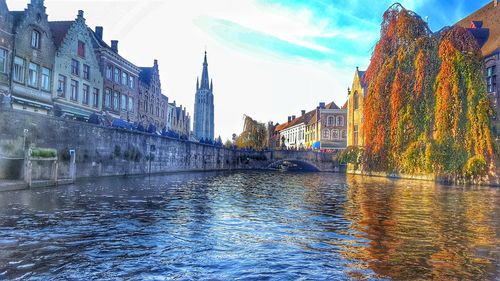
(418, 230)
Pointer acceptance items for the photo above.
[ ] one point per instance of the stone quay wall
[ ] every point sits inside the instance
(103, 151)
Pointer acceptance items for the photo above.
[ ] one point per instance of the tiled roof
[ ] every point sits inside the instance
(362, 81)
(146, 74)
(59, 30)
(98, 40)
(345, 105)
(331, 105)
(488, 35)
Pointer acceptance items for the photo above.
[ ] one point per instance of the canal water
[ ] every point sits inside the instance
(251, 226)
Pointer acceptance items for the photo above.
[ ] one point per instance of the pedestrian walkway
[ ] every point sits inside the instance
(9, 185)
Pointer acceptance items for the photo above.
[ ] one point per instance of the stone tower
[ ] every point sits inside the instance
(203, 124)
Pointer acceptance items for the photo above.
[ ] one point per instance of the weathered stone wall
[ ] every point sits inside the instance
(104, 151)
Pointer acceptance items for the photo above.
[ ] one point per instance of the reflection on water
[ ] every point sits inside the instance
(251, 225)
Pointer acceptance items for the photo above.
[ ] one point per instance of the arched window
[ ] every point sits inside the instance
(340, 121)
(356, 100)
(335, 134)
(326, 134)
(343, 134)
(331, 121)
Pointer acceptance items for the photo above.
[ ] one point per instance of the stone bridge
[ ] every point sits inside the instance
(307, 160)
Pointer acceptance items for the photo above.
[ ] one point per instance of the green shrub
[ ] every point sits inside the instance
(43, 153)
(351, 155)
(476, 167)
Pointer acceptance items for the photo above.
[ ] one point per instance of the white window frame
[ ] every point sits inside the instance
(45, 83)
(4, 54)
(19, 69)
(33, 70)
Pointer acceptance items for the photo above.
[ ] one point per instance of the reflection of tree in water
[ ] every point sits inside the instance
(416, 230)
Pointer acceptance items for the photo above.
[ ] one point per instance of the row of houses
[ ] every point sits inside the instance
(65, 68)
(323, 128)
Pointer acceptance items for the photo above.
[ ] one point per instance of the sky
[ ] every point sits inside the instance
(268, 58)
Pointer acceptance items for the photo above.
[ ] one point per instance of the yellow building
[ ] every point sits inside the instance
(355, 110)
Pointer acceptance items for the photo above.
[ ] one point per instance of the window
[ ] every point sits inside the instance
(117, 75)
(3, 60)
(86, 72)
(340, 121)
(343, 134)
(74, 90)
(45, 79)
(356, 100)
(331, 121)
(95, 98)
(109, 72)
(124, 78)
(33, 75)
(131, 82)
(335, 134)
(81, 49)
(35, 39)
(326, 134)
(131, 104)
(61, 86)
(86, 93)
(116, 101)
(355, 135)
(19, 70)
(75, 67)
(124, 102)
(107, 98)
(491, 79)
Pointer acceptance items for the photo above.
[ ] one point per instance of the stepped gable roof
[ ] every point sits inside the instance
(59, 30)
(484, 24)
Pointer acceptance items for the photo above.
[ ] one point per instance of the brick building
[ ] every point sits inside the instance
(121, 89)
(152, 103)
(78, 82)
(355, 102)
(6, 49)
(32, 68)
(484, 24)
(178, 121)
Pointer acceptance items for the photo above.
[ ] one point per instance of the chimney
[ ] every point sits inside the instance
(293, 117)
(99, 30)
(37, 2)
(80, 14)
(302, 112)
(114, 46)
(156, 62)
(289, 118)
(322, 105)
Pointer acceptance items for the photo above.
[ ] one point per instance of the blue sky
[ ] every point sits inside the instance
(268, 58)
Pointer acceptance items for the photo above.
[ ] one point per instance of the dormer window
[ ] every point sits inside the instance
(35, 39)
(81, 49)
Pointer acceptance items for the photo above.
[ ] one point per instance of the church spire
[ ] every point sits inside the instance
(204, 75)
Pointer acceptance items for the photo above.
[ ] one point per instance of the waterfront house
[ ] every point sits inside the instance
(484, 24)
(120, 79)
(152, 103)
(327, 127)
(178, 121)
(77, 86)
(355, 102)
(6, 49)
(33, 60)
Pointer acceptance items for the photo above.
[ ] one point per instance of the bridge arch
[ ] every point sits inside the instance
(294, 165)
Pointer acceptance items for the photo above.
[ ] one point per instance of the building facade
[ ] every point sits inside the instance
(178, 121)
(152, 103)
(324, 128)
(120, 96)
(77, 87)
(203, 125)
(6, 50)
(484, 25)
(33, 60)
(355, 102)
